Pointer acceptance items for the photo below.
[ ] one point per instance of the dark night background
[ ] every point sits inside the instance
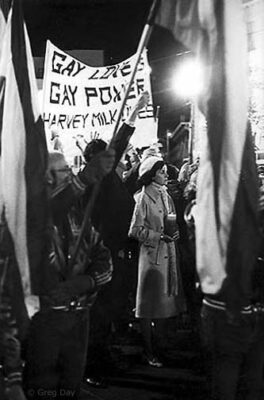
(114, 26)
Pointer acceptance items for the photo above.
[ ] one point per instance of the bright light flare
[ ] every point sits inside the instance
(188, 81)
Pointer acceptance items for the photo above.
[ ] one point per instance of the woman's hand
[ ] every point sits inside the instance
(261, 199)
(176, 236)
(166, 238)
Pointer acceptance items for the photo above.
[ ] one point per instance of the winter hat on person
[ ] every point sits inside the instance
(147, 164)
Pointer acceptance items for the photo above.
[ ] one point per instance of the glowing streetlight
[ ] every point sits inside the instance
(168, 137)
(188, 80)
(188, 83)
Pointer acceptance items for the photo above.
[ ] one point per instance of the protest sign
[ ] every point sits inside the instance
(83, 101)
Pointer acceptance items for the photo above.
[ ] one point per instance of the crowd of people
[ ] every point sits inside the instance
(139, 239)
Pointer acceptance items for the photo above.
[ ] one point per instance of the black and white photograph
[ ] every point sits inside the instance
(131, 199)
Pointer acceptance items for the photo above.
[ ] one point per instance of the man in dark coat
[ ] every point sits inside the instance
(111, 217)
(14, 319)
(57, 341)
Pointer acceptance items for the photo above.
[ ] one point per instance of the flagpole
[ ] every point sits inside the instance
(142, 44)
(168, 137)
(191, 131)
(156, 116)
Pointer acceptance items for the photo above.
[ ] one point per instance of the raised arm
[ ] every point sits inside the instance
(121, 140)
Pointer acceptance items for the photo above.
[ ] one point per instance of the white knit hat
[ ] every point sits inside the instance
(147, 164)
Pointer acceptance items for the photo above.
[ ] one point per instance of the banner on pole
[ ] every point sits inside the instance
(84, 101)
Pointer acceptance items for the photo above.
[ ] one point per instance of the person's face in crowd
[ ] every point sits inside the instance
(134, 158)
(161, 176)
(58, 172)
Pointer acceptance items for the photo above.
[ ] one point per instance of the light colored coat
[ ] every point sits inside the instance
(152, 300)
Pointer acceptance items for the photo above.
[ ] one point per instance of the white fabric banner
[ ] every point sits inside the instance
(79, 100)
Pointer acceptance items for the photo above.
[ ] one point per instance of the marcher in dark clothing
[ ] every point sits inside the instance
(233, 349)
(111, 217)
(57, 341)
(14, 319)
(233, 343)
(114, 206)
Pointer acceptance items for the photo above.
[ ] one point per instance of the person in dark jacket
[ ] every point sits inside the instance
(111, 217)
(14, 319)
(57, 342)
(233, 340)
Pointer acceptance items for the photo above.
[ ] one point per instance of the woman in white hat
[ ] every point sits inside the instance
(154, 226)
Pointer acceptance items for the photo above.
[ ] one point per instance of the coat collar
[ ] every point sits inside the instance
(154, 191)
